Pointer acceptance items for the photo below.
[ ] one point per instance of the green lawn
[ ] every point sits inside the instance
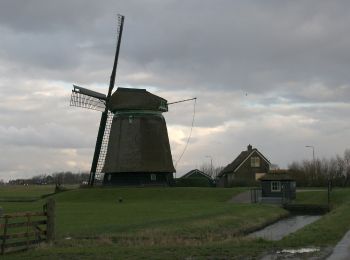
(9, 191)
(174, 223)
(185, 212)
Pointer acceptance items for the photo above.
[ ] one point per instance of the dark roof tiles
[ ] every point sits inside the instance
(276, 177)
(136, 99)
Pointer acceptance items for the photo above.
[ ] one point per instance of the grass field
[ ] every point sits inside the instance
(172, 223)
(25, 191)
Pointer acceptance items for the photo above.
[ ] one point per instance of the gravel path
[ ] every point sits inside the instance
(243, 197)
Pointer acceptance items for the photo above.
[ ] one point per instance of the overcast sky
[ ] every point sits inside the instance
(274, 74)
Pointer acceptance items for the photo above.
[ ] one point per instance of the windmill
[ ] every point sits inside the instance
(132, 145)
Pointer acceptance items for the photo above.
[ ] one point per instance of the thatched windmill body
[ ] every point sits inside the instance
(132, 145)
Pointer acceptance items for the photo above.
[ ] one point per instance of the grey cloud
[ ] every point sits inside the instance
(45, 136)
(251, 64)
(240, 45)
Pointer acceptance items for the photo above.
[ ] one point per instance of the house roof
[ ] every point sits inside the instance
(240, 159)
(187, 175)
(276, 177)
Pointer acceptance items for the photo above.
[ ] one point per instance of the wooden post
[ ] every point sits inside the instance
(4, 236)
(27, 232)
(329, 193)
(50, 211)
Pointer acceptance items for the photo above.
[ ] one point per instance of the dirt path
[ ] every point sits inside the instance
(243, 197)
(342, 250)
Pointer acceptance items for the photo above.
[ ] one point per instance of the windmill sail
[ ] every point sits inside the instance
(104, 147)
(85, 98)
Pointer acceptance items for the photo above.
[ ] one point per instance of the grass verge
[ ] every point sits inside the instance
(177, 223)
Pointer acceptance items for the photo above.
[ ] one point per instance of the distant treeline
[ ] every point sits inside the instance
(54, 178)
(320, 172)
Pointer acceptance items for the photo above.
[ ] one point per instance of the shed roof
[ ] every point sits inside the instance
(136, 99)
(195, 171)
(276, 177)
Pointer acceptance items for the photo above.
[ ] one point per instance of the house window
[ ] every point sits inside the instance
(255, 162)
(293, 185)
(275, 186)
(153, 177)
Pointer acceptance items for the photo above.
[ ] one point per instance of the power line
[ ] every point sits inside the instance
(182, 101)
(189, 137)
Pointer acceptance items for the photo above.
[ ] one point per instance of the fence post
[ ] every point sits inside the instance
(27, 232)
(50, 211)
(4, 236)
(255, 200)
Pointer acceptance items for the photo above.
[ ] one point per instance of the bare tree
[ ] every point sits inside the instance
(347, 167)
(211, 170)
(319, 172)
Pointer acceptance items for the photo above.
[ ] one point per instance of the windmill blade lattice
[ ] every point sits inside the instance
(86, 98)
(104, 147)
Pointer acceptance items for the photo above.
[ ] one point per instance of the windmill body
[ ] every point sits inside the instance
(132, 144)
(138, 149)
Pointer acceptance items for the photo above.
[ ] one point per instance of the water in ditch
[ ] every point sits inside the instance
(284, 227)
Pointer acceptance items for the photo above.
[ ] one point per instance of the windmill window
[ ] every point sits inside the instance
(275, 186)
(163, 106)
(153, 177)
(255, 162)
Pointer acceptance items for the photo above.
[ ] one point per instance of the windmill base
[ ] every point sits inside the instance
(138, 179)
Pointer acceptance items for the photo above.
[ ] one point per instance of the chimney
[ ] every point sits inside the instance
(249, 148)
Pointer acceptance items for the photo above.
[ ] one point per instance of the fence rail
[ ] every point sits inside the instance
(23, 230)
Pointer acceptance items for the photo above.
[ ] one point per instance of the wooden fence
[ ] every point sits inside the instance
(23, 230)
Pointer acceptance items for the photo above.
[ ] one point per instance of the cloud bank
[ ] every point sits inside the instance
(273, 74)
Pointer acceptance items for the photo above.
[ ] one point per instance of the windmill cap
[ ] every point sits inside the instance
(136, 99)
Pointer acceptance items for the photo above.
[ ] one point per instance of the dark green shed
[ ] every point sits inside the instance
(195, 178)
(278, 186)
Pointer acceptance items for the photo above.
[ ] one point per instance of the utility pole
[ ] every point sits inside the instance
(211, 165)
(313, 157)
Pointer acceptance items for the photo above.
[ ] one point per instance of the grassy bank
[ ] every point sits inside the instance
(174, 223)
(331, 227)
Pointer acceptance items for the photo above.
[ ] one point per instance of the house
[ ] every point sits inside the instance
(246, 169)
(277, 187)
(196, 178)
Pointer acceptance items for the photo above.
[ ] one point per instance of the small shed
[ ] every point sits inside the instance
(196, 178)
(278, 186)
